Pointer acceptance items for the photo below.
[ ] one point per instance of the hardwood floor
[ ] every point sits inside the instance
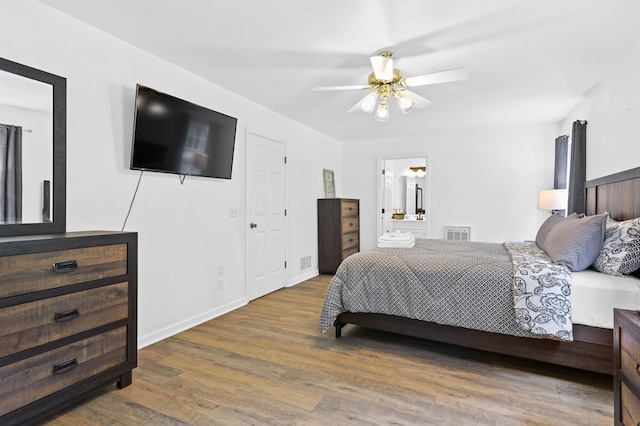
(267, 363)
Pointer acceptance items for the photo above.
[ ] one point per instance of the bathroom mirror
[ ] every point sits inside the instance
(32, 150)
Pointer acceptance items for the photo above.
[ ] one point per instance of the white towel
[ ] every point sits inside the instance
(397, 239)
(404, 244)
(396, 236)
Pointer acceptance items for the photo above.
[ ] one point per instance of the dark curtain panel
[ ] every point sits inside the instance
(560, 170)
(578, 168)
(10, 174)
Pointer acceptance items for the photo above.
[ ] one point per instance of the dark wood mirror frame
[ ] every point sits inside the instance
(59, 84)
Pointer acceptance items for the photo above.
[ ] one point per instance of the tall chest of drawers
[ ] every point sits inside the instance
(338, 232)
(626, 363)
(68, 320)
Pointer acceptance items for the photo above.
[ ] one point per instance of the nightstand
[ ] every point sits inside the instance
(626, 367)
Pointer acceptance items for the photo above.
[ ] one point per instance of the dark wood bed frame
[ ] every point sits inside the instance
(592, 348)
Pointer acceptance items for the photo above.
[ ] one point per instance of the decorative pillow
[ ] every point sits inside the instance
(620, 254)
(576, 242)
(546, 226)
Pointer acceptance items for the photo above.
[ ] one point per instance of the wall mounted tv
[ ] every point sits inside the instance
(171, 135)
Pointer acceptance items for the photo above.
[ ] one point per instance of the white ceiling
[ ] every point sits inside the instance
(530, 61)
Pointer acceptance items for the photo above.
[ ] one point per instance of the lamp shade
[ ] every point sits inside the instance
(552, 199)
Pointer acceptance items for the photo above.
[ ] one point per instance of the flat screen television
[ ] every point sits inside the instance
(171, 135)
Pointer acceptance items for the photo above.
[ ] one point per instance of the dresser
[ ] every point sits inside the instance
(68, 319)
(338, 232)
(626, 364)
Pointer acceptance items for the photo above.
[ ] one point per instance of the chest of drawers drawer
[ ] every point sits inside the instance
(349, 208)
(33, 378)
(26, 273)
(28, 325)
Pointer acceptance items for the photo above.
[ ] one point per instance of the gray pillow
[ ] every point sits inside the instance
(546, 227)
(620, 254)
(576, 242)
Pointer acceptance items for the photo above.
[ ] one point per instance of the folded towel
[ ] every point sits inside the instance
(397, 239)
(389, 244)
(396, 236)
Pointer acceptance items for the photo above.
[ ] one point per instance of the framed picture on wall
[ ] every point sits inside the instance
(329, 183)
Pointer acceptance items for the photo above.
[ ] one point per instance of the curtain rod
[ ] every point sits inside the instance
(24, 130)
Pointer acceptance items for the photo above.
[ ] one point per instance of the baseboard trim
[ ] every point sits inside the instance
(188, 323)
(303, 277)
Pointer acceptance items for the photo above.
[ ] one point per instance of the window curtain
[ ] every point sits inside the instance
(10, 173)
(578, 167)
(560, 170)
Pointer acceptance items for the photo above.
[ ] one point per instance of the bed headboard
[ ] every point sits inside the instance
(618, 194)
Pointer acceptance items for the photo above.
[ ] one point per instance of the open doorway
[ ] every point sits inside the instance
(403, 195)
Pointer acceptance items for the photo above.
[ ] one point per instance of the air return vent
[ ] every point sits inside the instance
(457, 233)
(305, 262)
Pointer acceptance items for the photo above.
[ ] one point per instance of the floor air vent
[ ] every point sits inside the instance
(457, 233)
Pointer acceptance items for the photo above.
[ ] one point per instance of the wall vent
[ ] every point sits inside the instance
(457, 233)
(305, 262)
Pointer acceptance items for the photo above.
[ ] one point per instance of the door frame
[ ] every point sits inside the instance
(380, 190)
(247, 219)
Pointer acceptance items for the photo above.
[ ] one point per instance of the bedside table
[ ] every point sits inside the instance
(626, 367)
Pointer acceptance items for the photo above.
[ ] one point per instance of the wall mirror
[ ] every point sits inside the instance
(403, 188)
(33, 121)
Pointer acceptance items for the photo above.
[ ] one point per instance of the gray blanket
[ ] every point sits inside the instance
(463, 284)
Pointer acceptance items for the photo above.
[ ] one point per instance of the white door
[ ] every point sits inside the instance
(266, 218)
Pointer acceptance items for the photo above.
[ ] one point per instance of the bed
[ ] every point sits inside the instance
(587, 344)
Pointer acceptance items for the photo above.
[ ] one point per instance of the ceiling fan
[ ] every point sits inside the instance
(386, 82)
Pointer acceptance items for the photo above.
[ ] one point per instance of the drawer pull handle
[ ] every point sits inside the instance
(66, 315)
(65, 366)
(66, 266)
(638, 369)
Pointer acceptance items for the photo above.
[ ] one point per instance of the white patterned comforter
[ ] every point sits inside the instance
(510, 288)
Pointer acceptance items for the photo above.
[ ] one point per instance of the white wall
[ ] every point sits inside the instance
(612, 111)
(484, 178)
(185, 231)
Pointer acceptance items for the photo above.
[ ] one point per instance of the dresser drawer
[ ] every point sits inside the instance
(350, 224)
(348, 252)
(26, 273)
(33, 378)
(630, 355)
(349, 208)
(350, 240)
(630, 414)
(35, 323)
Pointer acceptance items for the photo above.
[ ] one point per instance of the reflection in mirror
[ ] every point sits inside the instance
(26, 149)
(32, 150)
(404, 196)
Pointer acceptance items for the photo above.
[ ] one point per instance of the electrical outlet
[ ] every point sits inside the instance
(220, 284)
(220, 270)
(233, 212)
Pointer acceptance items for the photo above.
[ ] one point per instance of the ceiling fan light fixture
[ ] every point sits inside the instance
(405, 100)
(369, 102)
(382, 65)
(382, 113)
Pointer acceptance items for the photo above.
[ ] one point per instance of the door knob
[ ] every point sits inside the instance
(253, 225)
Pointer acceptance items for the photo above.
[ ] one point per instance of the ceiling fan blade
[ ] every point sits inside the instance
(420, 101)
(382, 67)
(329, 88)
(455, 74)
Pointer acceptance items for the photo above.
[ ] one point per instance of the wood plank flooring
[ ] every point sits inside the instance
(268, 364)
